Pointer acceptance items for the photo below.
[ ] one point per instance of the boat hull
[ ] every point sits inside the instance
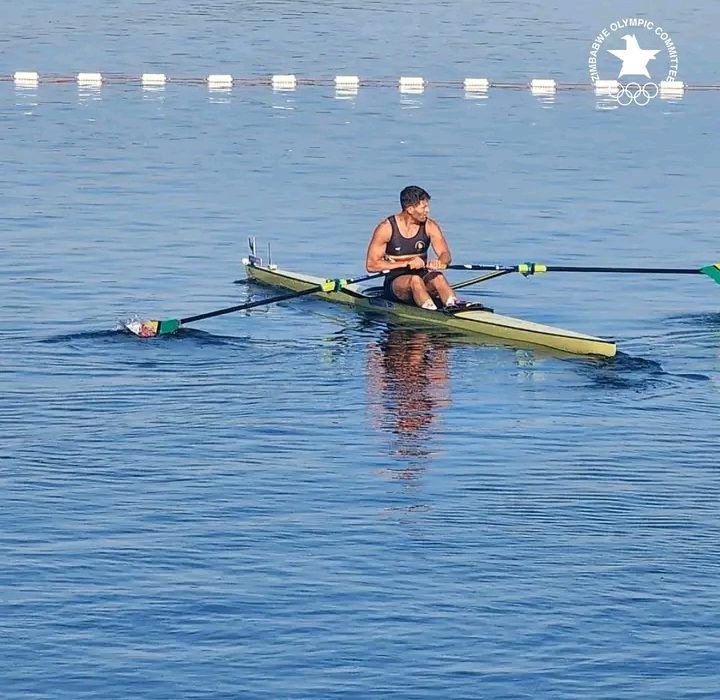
(482, 323)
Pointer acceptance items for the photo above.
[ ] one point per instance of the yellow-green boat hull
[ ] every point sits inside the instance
(482, 323)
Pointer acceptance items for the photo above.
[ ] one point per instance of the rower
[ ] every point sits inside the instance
(402, 241)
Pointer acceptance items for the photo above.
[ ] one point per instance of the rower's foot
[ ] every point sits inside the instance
(457, 304)
(462, 305)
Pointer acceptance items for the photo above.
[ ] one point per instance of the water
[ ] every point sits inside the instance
(300, 502)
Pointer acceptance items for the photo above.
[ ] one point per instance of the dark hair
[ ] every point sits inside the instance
(412, 195)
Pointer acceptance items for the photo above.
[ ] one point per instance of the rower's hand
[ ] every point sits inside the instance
(436, 265)
(416, 263)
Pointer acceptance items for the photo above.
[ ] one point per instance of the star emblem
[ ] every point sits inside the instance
(634, 59)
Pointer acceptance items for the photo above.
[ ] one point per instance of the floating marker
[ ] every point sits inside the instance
(89, 79)
(346, 86)
(284, 82)
(411, 84)
(347, 82)
(476, 84)
(606, 87)
(153, 79)
(543, 86)
(672, 90)
(672, 86)
(220, 81)
(26, 78)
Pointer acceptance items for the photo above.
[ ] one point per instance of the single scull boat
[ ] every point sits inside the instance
(480, 322)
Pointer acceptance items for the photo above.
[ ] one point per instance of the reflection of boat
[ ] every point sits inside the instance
(408, 381)
(481, 323)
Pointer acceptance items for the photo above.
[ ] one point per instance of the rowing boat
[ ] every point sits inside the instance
(473, 319)
(483, 323)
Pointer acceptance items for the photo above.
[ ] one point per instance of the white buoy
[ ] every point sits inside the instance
(89, 79)
(347, 82)
(284, 82)
(606, 87)
(346, 86)
(672, 86)
(222, 82)
(542, 86)
(476, 84)
(411, 84)
(154, 79)
(26, 78)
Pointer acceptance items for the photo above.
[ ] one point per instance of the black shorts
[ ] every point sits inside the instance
(388, 292)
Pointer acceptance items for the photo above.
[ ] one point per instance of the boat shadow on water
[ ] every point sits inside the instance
(628, 371)
(428, 353)
(624, 372)
(708, 321)
(408, 377)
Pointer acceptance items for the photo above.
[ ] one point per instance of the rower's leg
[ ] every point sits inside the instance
(412, 288)
(436, 283)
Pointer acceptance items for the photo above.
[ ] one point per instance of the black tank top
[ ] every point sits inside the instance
(399, 247)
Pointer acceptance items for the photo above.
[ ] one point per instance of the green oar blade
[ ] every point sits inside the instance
(712, 271)
(169, 325)
(149, 329)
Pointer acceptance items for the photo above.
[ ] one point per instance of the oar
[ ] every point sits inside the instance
(526, 269)
(482, 278)
(149, 329)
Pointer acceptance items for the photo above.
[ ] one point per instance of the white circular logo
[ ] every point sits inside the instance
(631, 48)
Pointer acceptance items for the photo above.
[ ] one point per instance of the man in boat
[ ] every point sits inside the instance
(400, 244)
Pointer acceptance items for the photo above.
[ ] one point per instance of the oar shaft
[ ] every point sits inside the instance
(248, 305)
(483, 278)
(632, 270)
(275, 300)
(528, 267)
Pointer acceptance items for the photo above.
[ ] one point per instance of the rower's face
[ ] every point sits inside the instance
(420, 211)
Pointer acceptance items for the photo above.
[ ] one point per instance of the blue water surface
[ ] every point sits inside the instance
(299, 502)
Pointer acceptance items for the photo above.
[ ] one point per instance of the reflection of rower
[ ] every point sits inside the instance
(408, 381)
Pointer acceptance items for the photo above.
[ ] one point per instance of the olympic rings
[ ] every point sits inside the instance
(634, 92)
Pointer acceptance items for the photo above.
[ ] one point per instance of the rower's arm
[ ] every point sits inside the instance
(438, 243)
(375, 260)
